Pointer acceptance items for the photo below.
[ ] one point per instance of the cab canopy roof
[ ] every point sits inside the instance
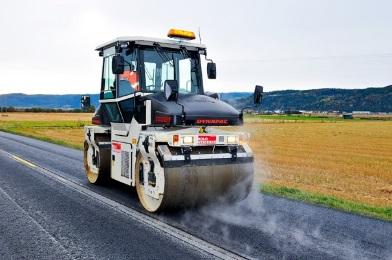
(147, 41)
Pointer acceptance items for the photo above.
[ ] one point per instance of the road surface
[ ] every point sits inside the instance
(49, 211)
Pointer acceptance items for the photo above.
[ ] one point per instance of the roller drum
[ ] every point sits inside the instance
(193, 185)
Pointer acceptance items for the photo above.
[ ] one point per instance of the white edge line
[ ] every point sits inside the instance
(17, 158)
(171, 231)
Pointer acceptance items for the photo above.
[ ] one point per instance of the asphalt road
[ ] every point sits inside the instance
(42, 218)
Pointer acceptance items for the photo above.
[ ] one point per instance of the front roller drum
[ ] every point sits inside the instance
(98, 173)
(194, 185)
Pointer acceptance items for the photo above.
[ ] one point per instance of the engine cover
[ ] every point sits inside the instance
(191, 109)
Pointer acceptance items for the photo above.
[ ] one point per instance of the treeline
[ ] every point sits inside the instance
(347, 100)
(68, 101)
(90, 109)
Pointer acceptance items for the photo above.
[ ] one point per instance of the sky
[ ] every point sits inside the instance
(48, 46)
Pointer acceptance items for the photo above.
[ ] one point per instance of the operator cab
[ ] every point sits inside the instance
(159, 82)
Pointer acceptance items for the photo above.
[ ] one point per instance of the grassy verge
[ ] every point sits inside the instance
(42, 130)
(292, 118)
(384, 213)
(314, 118)
(43, 138)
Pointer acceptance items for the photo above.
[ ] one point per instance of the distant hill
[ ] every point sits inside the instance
(328, 99)
(70, 101)
(45, 101)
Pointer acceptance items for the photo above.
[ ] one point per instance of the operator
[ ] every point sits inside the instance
(129, 81)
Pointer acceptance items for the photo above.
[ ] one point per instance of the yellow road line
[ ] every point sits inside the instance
(170, 231)
(16, 158)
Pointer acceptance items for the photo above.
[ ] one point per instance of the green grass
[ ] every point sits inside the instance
(312, 118)
(43, 138)
(41, 124)
(299, 118)
(23, 127)
(384, 213)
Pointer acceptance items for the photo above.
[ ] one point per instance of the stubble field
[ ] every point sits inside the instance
(350, 160)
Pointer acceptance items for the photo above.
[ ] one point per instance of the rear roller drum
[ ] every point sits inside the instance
(96, 167)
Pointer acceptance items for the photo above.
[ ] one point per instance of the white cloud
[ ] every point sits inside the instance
(48, 46)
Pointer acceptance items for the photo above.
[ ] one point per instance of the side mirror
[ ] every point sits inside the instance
(85, 102)
(211, 70)
(171, 90)
(118, 64)
(258, 95)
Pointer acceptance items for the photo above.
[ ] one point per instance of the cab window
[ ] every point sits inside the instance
(129, 81)
(160, 64)
(150, 70)
(113, 112)
(108, 79)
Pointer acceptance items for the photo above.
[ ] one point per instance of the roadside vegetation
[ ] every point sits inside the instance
(298, 118)
(291, 118)
(90, 109)
(384, 213)
(343, 164)
(59, 128)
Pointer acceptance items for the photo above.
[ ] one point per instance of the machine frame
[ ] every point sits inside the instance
(153, 156)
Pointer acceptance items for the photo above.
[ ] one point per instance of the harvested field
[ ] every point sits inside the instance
(347, 159)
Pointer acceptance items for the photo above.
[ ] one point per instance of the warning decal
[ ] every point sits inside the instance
(116, 147)
(206, 139)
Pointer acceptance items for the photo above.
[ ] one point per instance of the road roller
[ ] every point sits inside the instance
(157, 130)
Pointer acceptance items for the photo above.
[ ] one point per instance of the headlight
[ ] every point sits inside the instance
(232, 139)
(187, 140)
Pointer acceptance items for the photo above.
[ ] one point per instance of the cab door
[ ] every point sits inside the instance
(109, 88)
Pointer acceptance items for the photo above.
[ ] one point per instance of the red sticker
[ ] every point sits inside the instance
(206, 139)
(116, 147)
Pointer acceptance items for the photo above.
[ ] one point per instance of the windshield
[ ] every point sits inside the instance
(167, 64)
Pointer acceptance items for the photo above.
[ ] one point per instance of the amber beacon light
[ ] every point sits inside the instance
(176, 33)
